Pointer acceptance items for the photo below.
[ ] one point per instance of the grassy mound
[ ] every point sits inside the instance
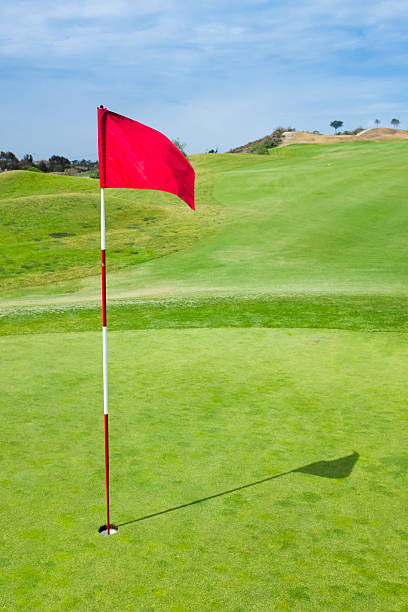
(50, 228)
(375, 134)
(304, 219)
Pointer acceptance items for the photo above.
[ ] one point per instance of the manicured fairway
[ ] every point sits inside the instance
(268, 333)
(305, 219)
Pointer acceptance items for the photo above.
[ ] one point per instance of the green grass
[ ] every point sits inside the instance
(50, 228)
(270, 333)
(194, 413)
(307, 218)
(361, 313)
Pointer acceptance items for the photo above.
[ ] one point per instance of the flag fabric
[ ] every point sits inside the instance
(135, 156)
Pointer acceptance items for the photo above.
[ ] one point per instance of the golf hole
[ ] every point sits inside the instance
(104, 529)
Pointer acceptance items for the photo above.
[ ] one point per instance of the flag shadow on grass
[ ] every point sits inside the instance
(337, 468)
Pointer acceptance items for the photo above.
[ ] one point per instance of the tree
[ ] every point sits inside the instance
(336, 125)
(30, 168)
(42, 166)
(180, 145)
(58, 163)
(27, 160)
(377, 122)
(8, 161)
(395, 123)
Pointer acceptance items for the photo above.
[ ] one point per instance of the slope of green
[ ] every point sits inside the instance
(49, 228)
(306, 218)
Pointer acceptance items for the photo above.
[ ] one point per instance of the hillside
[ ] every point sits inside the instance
(302, 219)
(289, 138)
(50, 227)
(375, 134)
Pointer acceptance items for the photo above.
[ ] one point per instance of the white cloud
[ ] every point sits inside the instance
(292, 31)
(219, 72)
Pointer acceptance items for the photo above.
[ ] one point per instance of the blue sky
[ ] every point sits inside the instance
(215, 73)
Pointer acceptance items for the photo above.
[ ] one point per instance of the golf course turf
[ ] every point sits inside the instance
(258, 387)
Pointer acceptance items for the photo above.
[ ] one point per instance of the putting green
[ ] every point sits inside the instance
(195, 413)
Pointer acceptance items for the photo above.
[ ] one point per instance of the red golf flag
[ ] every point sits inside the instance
(134, 156)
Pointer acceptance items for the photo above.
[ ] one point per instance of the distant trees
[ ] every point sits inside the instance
(336, 125)
(180, 145)
(58, 163)
(8, 161)
(27, 160)
(352, 132)
(395, 123)
(42, 166)
(86, 164)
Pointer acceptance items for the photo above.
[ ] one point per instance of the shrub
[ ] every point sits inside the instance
(30, 168)
(269, 142)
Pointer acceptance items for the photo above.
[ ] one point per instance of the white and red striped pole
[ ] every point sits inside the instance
(105, 356)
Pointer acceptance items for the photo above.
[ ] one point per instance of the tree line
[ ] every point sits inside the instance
(56, 163)
(336, 125)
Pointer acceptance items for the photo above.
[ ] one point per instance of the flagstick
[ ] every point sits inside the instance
(105, 356)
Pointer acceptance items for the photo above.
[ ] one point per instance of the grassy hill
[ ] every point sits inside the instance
(291, 138)
(257, 363)
(305, 219)
(374, 134)
(50, 228)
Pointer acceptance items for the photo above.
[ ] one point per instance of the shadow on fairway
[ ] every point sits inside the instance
(338, 468)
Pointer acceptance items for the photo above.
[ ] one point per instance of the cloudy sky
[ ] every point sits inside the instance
(214, 73)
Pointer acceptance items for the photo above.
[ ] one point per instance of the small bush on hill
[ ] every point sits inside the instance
(269, 142)
(30, 168)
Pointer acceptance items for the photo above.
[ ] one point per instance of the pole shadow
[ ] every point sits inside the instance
(337, 468)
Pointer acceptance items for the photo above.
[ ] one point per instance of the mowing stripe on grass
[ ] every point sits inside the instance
(365, 313)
